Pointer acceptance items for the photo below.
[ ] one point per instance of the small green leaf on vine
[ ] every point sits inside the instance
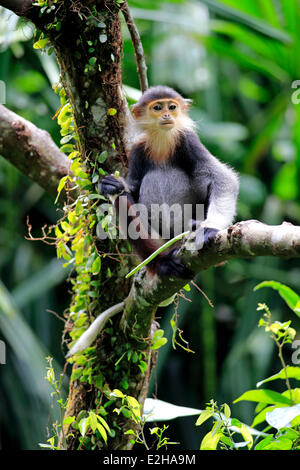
(111, 112)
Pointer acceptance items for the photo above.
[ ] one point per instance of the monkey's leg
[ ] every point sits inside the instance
(170, 265)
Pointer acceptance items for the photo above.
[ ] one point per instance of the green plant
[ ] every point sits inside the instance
(56, 385)
(224, 429)
(279, 410)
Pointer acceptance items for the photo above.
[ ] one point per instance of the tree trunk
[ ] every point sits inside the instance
(86, 37)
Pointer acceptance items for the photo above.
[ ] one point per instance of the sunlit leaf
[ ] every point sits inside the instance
(288, 295)
(264, 396)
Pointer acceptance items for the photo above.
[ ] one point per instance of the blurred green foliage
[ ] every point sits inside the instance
(238, 62)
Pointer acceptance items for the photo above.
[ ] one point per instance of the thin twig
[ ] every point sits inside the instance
(137, 46)
(56, 314)
(203, 293)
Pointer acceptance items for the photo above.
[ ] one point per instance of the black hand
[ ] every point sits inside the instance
(110, 185)
(204, 237)
(209, 235)
(170, 265)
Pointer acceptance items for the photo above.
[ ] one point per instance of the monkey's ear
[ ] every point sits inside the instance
(186, 104)
(136, 111)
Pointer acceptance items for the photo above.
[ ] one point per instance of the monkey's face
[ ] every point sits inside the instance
(164, 112)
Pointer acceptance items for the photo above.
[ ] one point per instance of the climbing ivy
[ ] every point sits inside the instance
(89, 262)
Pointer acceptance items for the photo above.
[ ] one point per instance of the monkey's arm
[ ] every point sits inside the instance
(222, 197)
(124, 195)
(112, 186)
(217, 184)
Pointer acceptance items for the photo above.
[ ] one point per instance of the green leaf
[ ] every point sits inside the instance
(66, 148)
(103, 156)
(159, 343)
(83, 426)
(244, 430)
(291, 371)
(96, 266)
(135, 406)
(143, 366)
(103, 422)
(69, 420)
(66, 139)
(117, 393)
(125, 384)
(280, 443)
(76, 373)
(288, 295)
(158, 334)
(236, 422)
(227, 411)
(156, 252)
(264, 396)
(205, 415)
(93, 420)
(264, 443)
(210, 442)
(61, 185)
(41, 43)
(102, 432)
(93, 196)
(226, 441)
(290, 433)
(167, 301)
(261, 417)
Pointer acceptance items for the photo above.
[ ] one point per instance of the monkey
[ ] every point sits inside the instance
(168, 165)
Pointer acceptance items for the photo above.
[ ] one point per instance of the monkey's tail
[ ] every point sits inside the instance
(89, 336)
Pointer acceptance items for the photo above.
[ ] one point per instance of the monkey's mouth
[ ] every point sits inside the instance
(167, 123)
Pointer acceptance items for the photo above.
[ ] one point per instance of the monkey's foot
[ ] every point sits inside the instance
(170, 265)
(205, 236)
(209, 235)
(110, 185)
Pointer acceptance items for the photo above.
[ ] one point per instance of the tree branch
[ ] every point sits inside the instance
(137, 46)
(32, 151)
(246, 239)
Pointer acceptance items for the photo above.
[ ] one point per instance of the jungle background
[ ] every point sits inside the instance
(238, 61)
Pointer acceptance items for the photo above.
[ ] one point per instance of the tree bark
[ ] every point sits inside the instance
(246, 239)
(32, 151)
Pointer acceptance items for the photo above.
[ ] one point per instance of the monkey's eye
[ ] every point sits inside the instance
(157, 107)
(172, 107)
